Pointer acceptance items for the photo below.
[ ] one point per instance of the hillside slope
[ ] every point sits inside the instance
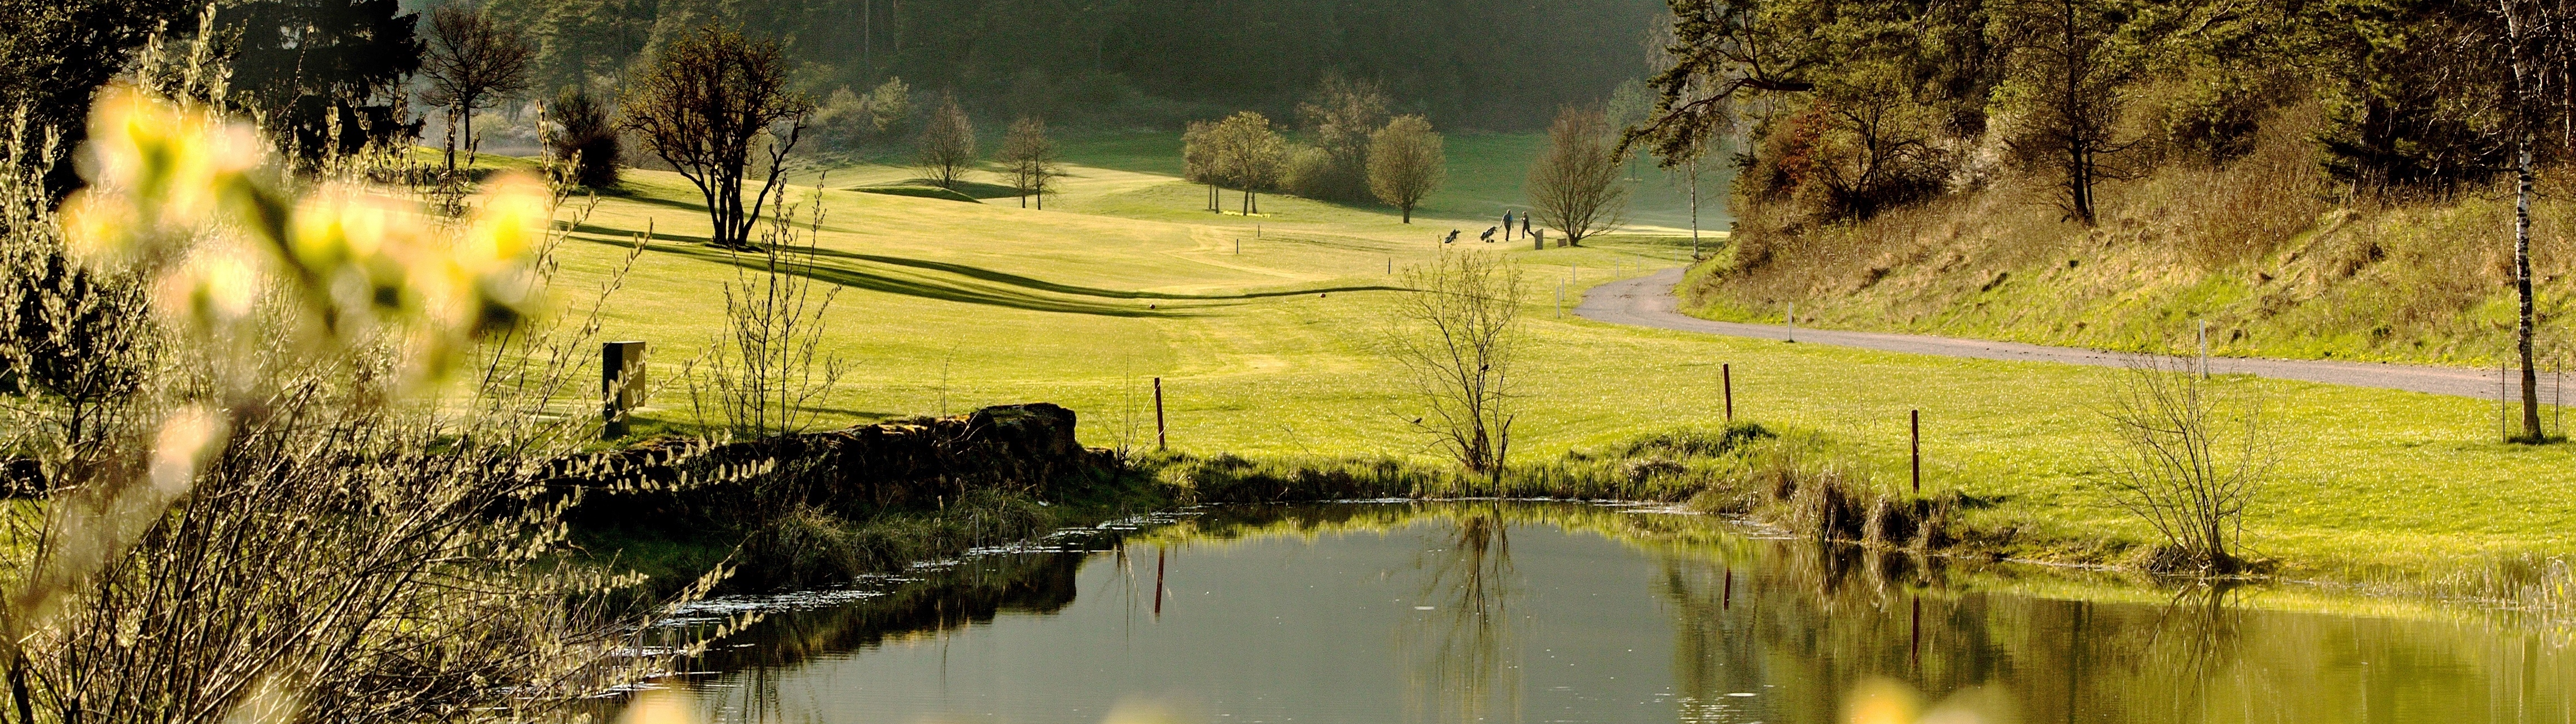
(2279, 262)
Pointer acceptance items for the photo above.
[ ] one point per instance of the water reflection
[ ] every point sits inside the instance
(1520, 612)
(1472, 666)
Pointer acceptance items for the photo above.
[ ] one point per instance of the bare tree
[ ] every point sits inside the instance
(947, 145)
(1575, 187)
(704, 104)
(1247, 155)
(2195, 453)
(766, 370)
(1405, 162)
(473, 62)
(1029, 156)
(1457, 335)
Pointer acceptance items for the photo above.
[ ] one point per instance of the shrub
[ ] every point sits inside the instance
(588, 141)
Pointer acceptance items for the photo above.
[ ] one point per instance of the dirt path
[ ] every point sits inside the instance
(1648, 302)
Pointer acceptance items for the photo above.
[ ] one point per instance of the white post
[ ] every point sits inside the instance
(1793, 321)
(2204, 349)
(1560, 299)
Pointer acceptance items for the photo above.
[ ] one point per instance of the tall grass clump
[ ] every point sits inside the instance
(320, 499)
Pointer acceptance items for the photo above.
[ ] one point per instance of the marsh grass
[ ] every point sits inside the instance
(1798, 480)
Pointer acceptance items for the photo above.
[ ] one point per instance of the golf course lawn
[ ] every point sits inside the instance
(1278, 349)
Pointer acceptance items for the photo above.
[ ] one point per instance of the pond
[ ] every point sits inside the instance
(1559, 612)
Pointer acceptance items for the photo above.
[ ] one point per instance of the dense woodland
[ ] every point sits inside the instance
(1849, 109)
(1482, 64)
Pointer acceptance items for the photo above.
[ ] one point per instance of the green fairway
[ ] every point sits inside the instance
(1278, 349)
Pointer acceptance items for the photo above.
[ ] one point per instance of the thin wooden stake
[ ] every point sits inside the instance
(1161, 440)
(1915, 421)
(1726, 376)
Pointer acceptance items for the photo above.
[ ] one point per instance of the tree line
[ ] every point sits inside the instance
(1359, 152)
(1481, 64)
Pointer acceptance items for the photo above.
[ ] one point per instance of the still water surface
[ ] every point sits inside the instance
(1530, 612)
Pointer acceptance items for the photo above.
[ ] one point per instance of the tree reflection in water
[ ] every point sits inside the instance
(1780, 631)
(1470, 631)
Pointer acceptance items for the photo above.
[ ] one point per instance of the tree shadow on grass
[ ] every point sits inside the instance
(1043, 285)
(979, 286)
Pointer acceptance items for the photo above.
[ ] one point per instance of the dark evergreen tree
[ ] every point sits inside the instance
(55, 53)
(309, 63)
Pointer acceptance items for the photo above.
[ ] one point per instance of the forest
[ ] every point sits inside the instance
(1853, 108)
(1155, 63)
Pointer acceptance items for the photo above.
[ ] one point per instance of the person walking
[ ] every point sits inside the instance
(1507, 224)
(1525, 226)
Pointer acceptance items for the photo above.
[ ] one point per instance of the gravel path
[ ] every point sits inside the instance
(1648, 302)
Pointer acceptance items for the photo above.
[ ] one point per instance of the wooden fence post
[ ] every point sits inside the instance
(1161, 441)
(1914, 420)
(621, 385)
(1726, 377)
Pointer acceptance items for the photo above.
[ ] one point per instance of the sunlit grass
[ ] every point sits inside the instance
(1277, 350)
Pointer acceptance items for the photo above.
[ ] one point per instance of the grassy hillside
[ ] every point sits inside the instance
(1278, 350)
(2280, 264)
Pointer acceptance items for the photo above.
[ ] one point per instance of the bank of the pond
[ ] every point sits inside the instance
(816, 509)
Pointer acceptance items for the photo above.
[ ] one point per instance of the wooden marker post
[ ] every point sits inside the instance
(621, 385)
(1914, 419)
(1726, 378)
(1161, 441)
